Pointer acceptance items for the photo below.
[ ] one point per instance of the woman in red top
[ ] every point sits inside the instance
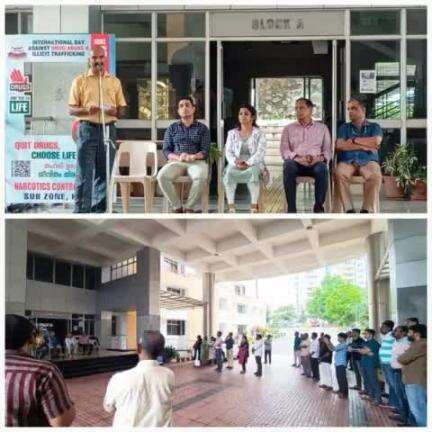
(243, 353)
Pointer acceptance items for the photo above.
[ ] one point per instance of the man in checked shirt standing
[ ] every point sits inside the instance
(35, 390)
(186, 146)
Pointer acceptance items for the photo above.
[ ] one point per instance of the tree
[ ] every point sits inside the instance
(338, 302)
(283, 316)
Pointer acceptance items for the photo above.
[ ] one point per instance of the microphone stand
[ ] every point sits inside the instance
(107, 143)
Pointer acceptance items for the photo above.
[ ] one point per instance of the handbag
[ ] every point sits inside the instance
(197, 363)
(265, 176)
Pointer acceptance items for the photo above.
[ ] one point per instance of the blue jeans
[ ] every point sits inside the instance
(388, 375)
(402, 401)
(219, 359)
(90, 180)
(417, 400)
(371, 383)
(292, 169)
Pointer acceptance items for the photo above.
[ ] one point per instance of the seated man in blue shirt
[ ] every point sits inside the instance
(186, 146)
(357, 145)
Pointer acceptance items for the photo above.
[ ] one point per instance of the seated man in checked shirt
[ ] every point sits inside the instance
(186, 146)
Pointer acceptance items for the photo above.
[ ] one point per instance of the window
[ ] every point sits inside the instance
(43, 268)
(90, 278)
(133, 63)
(391, 138)
(173, 265)
(89, 324)
(18, 22)
(181, 25)
(78, 323)
(275, 97)
(30, 258)
(127, 25)
(242, 329)
(62, 273)
(181, 71)
(382, 57)
(416, 79)
(113, 325)
(416, 21)
(78, 276)
(241, 308)
(120, 270)
(223, 304)
(240, 290)
(417, 138)
(375, 22)
(176, 327)
(11, 23)
(179, 291)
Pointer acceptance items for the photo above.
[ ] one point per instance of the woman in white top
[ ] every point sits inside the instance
(245, 150)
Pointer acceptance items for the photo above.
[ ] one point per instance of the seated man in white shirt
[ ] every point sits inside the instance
(142, 396)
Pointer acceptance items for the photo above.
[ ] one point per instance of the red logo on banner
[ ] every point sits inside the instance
(101, 39)
(18, 81)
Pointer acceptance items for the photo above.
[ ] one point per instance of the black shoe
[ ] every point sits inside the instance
(318, 208)
(364, 211)
(350, 211)
(355, 388)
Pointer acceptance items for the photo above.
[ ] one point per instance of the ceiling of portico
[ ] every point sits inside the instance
(234, 249)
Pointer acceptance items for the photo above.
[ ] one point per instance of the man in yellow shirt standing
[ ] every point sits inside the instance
(85, 104)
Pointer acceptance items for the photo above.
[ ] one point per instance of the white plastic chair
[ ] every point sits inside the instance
(138, 152)
(182, 184)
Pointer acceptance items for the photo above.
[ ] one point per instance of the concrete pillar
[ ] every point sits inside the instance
(61, 19)
(148, 316)
(375, 252)
(139, 293)
(16, 266)
(408, 269)
(208, 280)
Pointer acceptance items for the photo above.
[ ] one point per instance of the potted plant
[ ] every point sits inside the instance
(399, 172)
(419, 189)
(169, 353)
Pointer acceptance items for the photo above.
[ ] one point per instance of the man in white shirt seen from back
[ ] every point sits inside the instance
(143, 396)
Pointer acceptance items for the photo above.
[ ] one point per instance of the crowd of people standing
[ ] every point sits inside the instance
(207, 352)
(390, 373)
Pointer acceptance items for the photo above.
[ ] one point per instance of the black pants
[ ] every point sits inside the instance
(267, 355)
(259, 365)
(315, 368)
(243, 367)
(342, 379)
(292, 169)
(357, 372)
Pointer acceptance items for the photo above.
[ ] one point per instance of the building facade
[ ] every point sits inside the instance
(182, 324)
(238, 308)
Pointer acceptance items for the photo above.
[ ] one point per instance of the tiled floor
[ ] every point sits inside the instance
(304, 205)
(281, 397)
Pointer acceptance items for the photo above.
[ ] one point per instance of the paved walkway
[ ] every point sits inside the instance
(281, 397)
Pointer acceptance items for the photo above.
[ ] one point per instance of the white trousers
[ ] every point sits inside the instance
(335, 384)
(325, 374)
